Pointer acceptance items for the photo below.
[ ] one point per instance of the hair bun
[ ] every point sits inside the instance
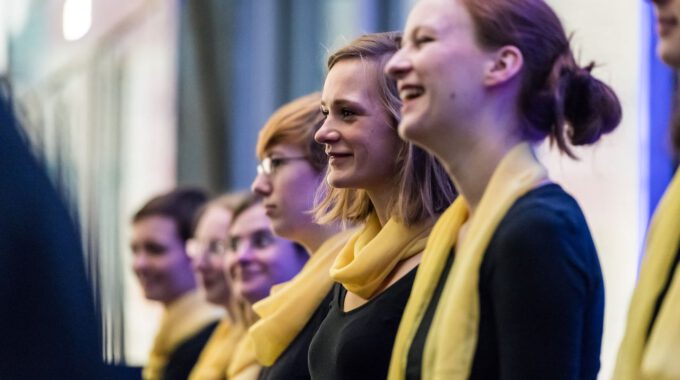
(591, 108)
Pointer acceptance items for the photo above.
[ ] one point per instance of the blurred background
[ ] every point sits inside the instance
(124, 99)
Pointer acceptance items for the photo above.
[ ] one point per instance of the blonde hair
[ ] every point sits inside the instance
(296, 123)
(424, 188)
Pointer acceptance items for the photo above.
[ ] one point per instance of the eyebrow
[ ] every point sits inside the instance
(338, 103)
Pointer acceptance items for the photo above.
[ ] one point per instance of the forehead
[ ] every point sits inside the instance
(440, 15)
(282, 149)
(352, 79)
(214, 220)
(252, 219)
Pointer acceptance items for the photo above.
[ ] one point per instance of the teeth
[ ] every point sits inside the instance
(410, 93)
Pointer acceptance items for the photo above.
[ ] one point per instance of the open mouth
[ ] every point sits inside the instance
(410, 92)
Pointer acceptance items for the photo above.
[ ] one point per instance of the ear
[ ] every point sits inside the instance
(506, 64)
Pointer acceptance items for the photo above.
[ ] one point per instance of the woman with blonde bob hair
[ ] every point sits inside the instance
(292, 165)
(393, 188)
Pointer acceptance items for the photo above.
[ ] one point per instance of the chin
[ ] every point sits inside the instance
(669, 54)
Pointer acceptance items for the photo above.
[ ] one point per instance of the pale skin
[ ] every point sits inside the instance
(288, 195)
(469, 139)
(357, 129)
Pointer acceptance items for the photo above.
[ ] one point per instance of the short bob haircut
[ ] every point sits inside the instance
(296, 123)
(424, 188)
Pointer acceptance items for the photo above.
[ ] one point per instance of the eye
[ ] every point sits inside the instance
(276, 162)
(155, 249)
(324, 111)
(346, 113)
(233, 243)
(262, 239)
(420, 40)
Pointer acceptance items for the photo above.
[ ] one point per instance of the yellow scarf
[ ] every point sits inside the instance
(451, 341)
(218, 352)
(286, 311)
(372, 254)
(181, 320)
(659, 357)
(244, 366)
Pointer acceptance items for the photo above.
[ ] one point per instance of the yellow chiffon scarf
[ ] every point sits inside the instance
(658, 357)
(287, 310)
(214, 360)
(181, 320)
(244, 366)
(452, 338)
(372, 254)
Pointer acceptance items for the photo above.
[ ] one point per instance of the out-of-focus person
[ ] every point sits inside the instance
(256, 261)
(651, 345)
(160, 230)
(207, 248)
(48, 328)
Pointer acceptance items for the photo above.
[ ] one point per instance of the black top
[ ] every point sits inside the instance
(49, 327)
(184, 357)
(292, 364)
(541, 295)
(357, 344)
(662, 294)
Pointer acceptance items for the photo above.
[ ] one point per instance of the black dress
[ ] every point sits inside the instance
(357, 344)
(292, 364)
(541, 295)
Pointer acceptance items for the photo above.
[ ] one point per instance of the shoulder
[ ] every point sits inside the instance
(185, 356)
(545, 227)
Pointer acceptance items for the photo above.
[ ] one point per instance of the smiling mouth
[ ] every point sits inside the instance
(410, 92)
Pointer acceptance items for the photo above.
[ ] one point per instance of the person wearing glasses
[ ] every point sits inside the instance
(393, 188)
(291, 168)
(651, 345)
(256, 260)
(160, 230)
(207, 249)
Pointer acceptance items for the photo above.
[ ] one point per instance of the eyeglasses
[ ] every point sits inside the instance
(213, 248)
(269, 165)
(259, 239)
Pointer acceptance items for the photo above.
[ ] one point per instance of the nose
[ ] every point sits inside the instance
(139, 262)
(261, 185)
(327, 134)
(398, 66)
(199, 262)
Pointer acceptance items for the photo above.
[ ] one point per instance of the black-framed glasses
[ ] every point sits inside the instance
(269, 165)
(213, 248)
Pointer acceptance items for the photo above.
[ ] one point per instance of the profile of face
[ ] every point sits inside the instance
(439, 70)
(361, 143)
(288, 189)
(159, 260)
(207, 249)
(667, 14)
(257, 259)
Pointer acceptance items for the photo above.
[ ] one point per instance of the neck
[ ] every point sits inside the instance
(472, 161)
(381, 199)
(316, 235)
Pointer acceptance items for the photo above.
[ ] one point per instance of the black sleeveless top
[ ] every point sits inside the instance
(357, 344)
(292, 364)
(541, 296)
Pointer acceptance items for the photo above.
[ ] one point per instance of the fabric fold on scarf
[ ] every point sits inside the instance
(244, 365)
(214, 360)
(290, 306)
(655, 357)
(372, 254)
(451, 341)
(181, 320)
